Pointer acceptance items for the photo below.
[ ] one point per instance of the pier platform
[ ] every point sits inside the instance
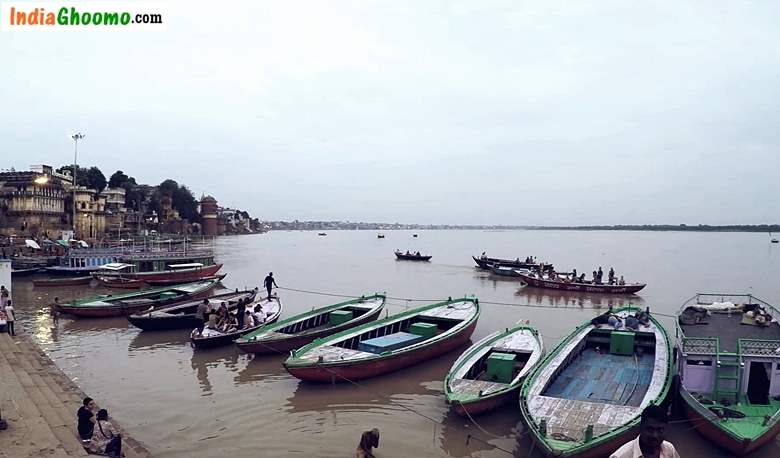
(39, 402)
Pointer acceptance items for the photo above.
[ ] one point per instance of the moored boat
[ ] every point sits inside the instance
(387, 345)
(728, 358)
(487, 263)
(178, 273)
(560, 285)
(66, 281)
(488, 374)
(127, 304)
(412, 256)
(507, 271)
(175, 281)
(120, 282)
(302, 329)
(183, 315)
(270, 309)
(586, 397)
(24, 272)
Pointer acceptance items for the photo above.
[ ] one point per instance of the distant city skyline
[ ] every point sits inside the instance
(471, 112)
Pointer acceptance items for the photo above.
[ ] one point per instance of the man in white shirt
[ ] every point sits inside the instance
(650, 443)
(10, 318)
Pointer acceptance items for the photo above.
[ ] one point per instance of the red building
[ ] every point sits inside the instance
(208, 215)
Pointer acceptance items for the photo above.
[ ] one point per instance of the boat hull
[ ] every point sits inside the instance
(485, 404)
(706, 428)
(488, 263)
(377, 366)
(54, 282)
(227, 339)
(185, 321)
(412, 257)
(294, 342)
(23, 272)
(581, 287)
(175, 276)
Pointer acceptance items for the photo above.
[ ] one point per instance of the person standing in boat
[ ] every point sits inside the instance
(240, 313)
(271, 282)
(203, 310)
(650, 443)
(611, 276)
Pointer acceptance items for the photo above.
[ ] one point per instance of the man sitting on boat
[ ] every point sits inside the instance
(650, 442)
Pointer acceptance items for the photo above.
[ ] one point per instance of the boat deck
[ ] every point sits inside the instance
(752, 426)
(456, 311)
(728, 328)
(334, 353)
(466, 386)
(598, 377)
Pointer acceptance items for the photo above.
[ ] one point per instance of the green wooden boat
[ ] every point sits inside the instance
(302, 329)
(387, 345)
(488, 374)
(729, 367)
(585, 398)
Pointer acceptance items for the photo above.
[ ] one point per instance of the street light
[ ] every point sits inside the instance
(76, 138)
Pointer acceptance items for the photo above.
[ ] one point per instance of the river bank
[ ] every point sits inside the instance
(39, 402)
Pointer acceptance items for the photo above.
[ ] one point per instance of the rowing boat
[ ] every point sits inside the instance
(212, 338)
(119, 282)
(183, 315)
(506, 271)
(299, 330)
(586, 398)
(412, 257)
(65, 281)
(486, 263)
(387, 345)
(728, 367)
(176, 281)
(488, 374)
(559, 285)
(127, 304)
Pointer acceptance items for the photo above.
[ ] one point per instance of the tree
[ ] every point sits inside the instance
(184, 202)
(120, 180)
(95, 179)
(81, 174)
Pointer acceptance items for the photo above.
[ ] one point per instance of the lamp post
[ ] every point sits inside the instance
(76, 138)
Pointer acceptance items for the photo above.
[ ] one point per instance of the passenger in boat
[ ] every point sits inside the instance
(86, 419)
(241, 313)
(105, 438)
(582, 278)
(213, 318)
(632, 322)
(407, 253)
(615, 321)
(595, 278)
(621, 282)
(249, 320)
(200, 313)
(650, 442)
(574, 275)
(368, 441)
(270, 282)
(417, 254)
(611, 276)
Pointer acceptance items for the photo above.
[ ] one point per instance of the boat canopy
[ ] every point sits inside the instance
(190, 265)
(32, 244)
(115, 266)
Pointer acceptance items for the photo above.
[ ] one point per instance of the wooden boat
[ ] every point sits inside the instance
(569, 414)
(506, 271)
(560, 285)
(728, 368)
(183, 315)
(179, 273)
(302, 329)
(486, 263)
(23, 272)
(387, 345)
(412, 256)
(120, 282)
(127, 304)
(67, 271)
(322, 234)
(174, 281)
(380, 236)
(212, 338)
(67, 281)
(488, 374)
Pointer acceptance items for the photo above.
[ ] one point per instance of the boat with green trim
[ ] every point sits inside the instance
(387, 345)
(488, 374)
(586, 398)
(127, 304)
(729, 367)
(302, 329)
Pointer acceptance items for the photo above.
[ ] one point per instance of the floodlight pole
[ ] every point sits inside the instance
(76, 138)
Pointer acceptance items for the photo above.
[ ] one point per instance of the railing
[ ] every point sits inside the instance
(756, 347)
(700, 345)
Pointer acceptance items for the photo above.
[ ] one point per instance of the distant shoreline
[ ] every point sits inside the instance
(337, 225)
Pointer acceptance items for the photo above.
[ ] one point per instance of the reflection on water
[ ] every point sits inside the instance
(184, 403)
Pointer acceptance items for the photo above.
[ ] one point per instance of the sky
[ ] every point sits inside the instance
(445, 112)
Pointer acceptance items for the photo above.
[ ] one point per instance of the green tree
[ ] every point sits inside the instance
(95, 179)
(119, 179)
(184, 202)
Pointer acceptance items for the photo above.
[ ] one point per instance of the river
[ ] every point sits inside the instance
(182, 403)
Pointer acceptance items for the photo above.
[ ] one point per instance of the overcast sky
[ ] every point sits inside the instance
(477, 112)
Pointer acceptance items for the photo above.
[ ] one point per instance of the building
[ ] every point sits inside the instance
(90, 213)
(33, 202)
(115, 209)
(208, 215)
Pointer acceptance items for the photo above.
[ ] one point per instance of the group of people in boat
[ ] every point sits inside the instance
(574, 277)
(408, 253)
(221, 320)
(633, 322)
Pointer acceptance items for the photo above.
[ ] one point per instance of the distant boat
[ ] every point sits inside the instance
(322, 234)
(536, 282)
(412, 256)
(380, 236)
(414, 235)
(772, 239)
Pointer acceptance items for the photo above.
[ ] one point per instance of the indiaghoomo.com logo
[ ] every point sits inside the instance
(81, 15)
